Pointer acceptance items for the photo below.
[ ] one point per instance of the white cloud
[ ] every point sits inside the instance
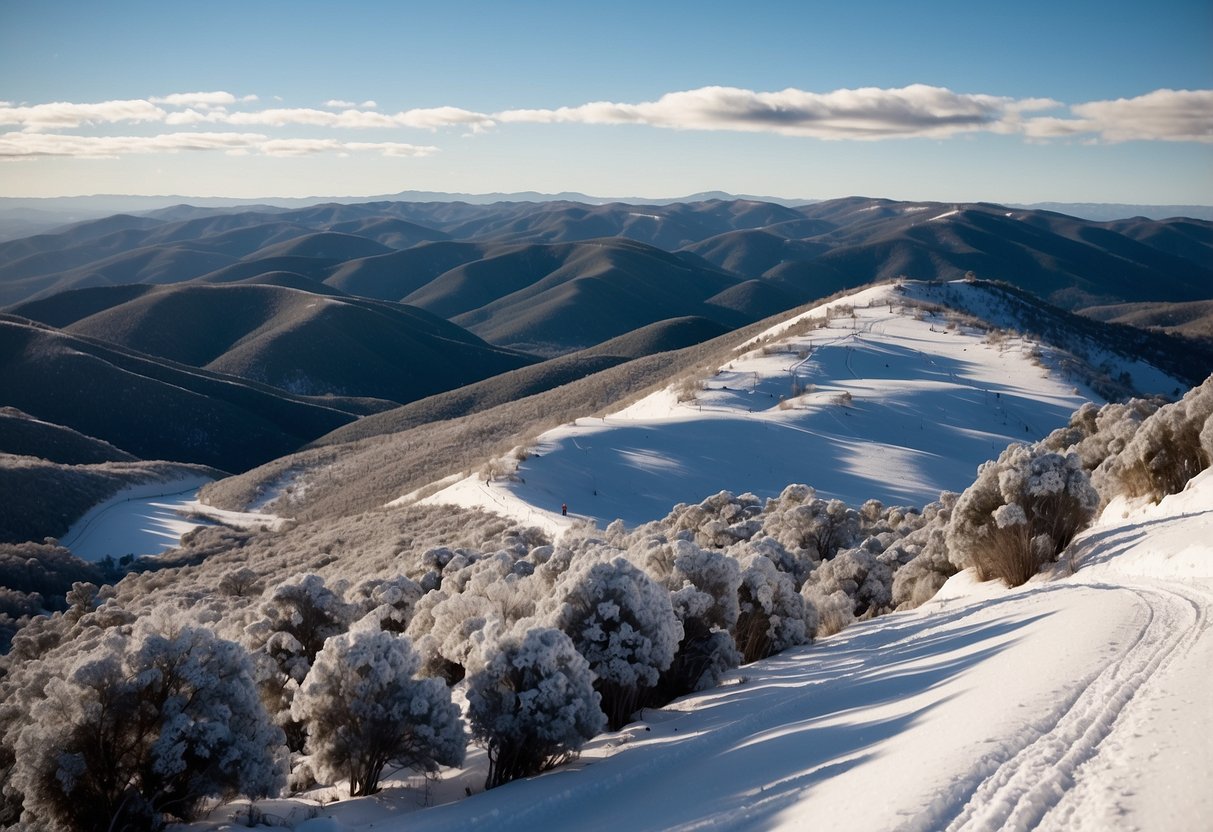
(348, 119)
(1162, 115)
(283, 116)
(432, 118)
(866, 113)
(61, 115)
(197, 99)
(20, 145)
(338, 103)
(17, 145)
(393, 148)
(368, 105)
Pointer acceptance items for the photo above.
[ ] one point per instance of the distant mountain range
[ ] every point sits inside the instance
(228, 336)
(23, 216)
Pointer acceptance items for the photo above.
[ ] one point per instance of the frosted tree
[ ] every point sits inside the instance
(364, 708)
(1019, 513)
(145, 726)
(623, 623)
(296, 619)
(532, 704)
(773, 616)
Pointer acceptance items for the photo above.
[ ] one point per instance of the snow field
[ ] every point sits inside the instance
(151, 518)
(880, 405)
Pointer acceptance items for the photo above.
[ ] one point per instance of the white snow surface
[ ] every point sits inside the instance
(928, 404)
(1079, 701)
(149, 519)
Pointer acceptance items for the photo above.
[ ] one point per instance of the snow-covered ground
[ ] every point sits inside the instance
(879, 405)
(1079, 701)
(149, 519)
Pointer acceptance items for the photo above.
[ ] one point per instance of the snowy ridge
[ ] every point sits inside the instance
(865, 397)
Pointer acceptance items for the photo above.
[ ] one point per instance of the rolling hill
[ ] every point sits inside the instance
(151, 407)
(307, 343)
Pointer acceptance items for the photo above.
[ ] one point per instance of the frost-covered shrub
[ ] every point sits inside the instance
(772, 616)
(43, 569)
(860, 575)
(1019, 513)
(364, 707)
(809, 526)
(296, 619)
(391, 601)
(923, 554)
(532, 704)
(241, 583)
(458, 626)
(475, 602)
(719, 521)
(1095, 433)
(145, 726)
(835, 611)
(705, 603)
(623, 623)
(1165, 452)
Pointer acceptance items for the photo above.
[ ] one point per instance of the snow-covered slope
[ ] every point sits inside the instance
(881, 402)
(150, 519)
(1077, 702)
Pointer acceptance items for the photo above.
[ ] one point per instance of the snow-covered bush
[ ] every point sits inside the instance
(532, 704)
(705, 603)
(623, 623)
(1019, 513)
(718, 521)
(860, 576)
(475, 601)
(241, 583)
(773, 616)
(391, 601)
(144, 726)
(809, 526)
(296, 619)
(1165, 452)
(835, 610)
(923, 554)
(1095, 433)
(364, 707)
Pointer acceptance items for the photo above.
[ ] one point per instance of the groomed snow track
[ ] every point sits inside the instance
(1025, 791)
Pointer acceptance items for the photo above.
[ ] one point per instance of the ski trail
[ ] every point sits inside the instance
(1021, 790)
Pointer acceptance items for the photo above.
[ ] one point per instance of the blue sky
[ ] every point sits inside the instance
(1013, 102)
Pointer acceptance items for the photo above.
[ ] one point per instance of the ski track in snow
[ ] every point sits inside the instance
(1019, 792)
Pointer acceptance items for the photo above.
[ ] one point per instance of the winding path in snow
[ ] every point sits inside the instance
(1020, 792)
